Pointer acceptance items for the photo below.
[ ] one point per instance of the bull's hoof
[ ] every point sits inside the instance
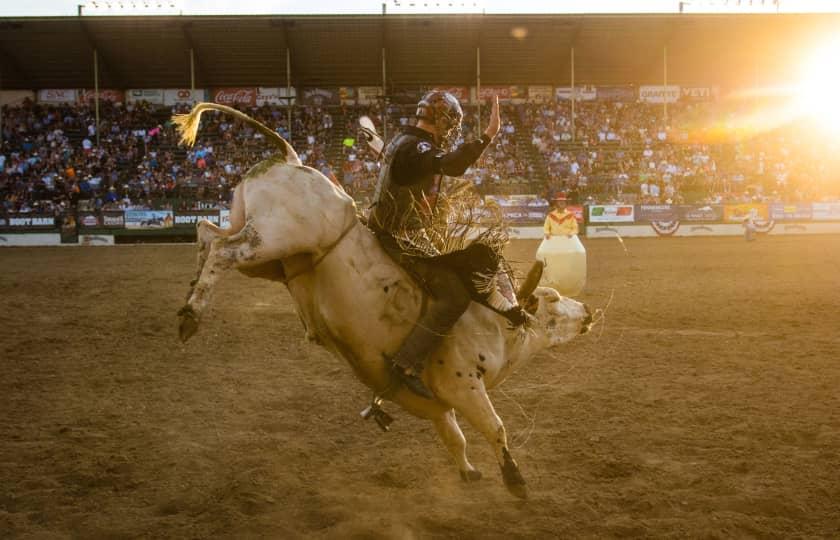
(512, 477)
(471, 476)
(189, 323)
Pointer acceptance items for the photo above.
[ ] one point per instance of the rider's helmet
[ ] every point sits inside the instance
(443, 111)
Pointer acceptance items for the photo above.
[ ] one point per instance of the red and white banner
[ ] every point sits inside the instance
(114, 96)
(13, 98)
(659, 94)
(58, 95)
(487, 92)
(237, 95)
(149, 95)
(175, 96)
(274, 96)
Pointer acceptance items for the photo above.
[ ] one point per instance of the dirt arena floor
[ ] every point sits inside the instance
(706, 405)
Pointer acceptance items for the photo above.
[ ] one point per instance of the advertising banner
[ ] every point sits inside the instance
(148, 219)
(224, 219)
(825, 211)
(30, 221)
(520, 209)
(149, 95)
(616, 93)
(113, 219)
(347, 95)
(706, 214)
(505, 93)
(540, 93)
(191, 218)
(14, 98)
(659, 94)
(582, 93)
(175, 96)
(406, 95)
(790, 212)
(114, 96)
(656, 212)
(232, 96)
(320, 96)
(696, 93)
(366, 95)
(738, 212)
(611, 213)
(56, 95)
(274, 96)
(460, 92)
(87, 219)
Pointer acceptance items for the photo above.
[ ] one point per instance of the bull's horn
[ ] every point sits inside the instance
(188, 128)
(532, 280)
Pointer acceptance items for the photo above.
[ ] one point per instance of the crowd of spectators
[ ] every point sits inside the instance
(612, 152)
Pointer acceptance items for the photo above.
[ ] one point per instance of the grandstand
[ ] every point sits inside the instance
(649, 95)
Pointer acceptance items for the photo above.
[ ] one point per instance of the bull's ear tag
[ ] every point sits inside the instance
(383, 419)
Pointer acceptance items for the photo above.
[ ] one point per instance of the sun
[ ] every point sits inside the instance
(816, 94)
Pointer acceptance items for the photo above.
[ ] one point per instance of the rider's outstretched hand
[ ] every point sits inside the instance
(495, 120)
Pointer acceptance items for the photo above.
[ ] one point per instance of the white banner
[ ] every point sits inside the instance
(659, 94)
(58, 95)
(697, 93)
(825, 211)
(611, 213)
(367, 95)
(540, 93)
(582, 93)
(13, 98)
(149, 95)
(173, 96)
(275, 96)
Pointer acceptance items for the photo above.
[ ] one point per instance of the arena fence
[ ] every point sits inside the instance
(525, 216)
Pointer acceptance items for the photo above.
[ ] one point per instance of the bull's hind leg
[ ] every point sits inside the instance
(452, 437)
(476, 407)
(224, 253)
(206, 232)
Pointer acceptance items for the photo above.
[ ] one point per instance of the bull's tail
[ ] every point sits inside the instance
(188, 128)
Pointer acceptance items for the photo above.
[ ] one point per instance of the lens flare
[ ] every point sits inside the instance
(816, 94)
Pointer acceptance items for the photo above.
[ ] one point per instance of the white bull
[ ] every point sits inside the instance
(290, 223)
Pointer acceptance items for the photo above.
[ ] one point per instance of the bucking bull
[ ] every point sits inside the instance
(289, 223)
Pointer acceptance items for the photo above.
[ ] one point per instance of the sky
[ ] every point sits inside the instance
(10, 8)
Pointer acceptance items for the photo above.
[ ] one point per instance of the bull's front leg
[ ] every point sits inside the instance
(474, 404)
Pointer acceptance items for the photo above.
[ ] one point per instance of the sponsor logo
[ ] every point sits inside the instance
(796, 228)
(233, 96)
(90, 221)
(90, 239)
(698, 228)
(32, 222)
(192, 219)
(764, 226)
(113, 221)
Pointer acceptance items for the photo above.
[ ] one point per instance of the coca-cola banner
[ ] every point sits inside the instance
(582, 93)
(659, 94)
(366, 95)
(237, 95)
(320, 96)
(176, 96)
(616, 93)
(149, 95)
(275, 96)
(540, 93)
(58, 95)
(114, 96)
(14, 98)
(697, 93)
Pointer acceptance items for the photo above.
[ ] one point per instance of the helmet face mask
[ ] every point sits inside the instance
(442, 110)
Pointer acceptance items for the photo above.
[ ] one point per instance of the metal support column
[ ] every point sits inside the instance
(478, 86)
(96, 91)
(664, 83)
(574, 96)
(192, 69)
(289, 91)
(384, 98)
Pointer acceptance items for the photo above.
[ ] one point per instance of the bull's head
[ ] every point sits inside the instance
(561, 318)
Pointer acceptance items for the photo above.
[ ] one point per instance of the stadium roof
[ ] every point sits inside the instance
(153, 52)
